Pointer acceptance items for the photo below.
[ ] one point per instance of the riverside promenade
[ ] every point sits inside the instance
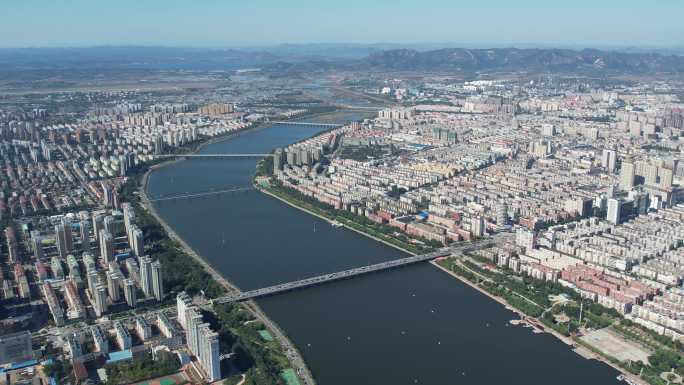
(535, 323)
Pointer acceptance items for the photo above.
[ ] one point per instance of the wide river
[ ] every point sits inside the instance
(414, 325)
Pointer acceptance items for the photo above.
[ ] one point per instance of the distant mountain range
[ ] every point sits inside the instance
(130, 57)
(292, 59)
(529, 59)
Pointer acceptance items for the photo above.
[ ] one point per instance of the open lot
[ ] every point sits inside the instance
(611, 343)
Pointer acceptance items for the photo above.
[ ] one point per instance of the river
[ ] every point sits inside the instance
(414, 325)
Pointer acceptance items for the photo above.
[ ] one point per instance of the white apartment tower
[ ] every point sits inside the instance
(157, 284)
(129, 292)
(627, 175)
(146, 275)
(106, 246)
(613, 211)
(608, 160)
(209, 353)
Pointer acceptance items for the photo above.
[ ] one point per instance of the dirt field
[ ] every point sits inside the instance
(613, 344)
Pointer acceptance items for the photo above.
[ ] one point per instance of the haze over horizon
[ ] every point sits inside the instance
(212, 23)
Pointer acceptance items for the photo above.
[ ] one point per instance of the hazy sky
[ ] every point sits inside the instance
(31, 23)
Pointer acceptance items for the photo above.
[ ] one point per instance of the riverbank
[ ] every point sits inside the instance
(476, 287)
(333, 222)
(535, 323)
(290, 351)
(539, 326)
(293, 355)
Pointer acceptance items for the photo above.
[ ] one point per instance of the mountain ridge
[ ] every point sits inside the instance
(302, 61)
(521, 59)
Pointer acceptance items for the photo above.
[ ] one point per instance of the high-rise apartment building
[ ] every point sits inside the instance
(627, 175)
(74, 344)
(142, 328)
(608, 160)
(501, 214)
(477, 226)
(650, 173)
(100, 304)
(98, 225)
(37, 245)
(93, 282)
(146, 275)
(100, 339)
(157, 284)
(130, 293)
(278, 156)
(613, 211)
(12, 244)
(84, 232)
(202, 342)
(113, 284)
(137, 242)
(665, 176)
(209, 353)
(60, 240)
(68, 233)
(109, 224)
(525, 238)
(123, 337)
(193, 320)
(183, 303)
(106, 246)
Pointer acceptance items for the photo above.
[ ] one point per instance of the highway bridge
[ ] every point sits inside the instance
(212, 156)
(199, 194)
(295, 123)
(362, 108)
(325, 278)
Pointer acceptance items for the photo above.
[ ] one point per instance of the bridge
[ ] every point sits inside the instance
(362, 108)
(294, 123)
(211, 156)
(325, 278)
(199, 194)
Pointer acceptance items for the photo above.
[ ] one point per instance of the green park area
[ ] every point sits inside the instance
(290, 377)
(142, 369)
(266, 335)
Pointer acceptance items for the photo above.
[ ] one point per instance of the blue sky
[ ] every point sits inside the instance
(41, 23)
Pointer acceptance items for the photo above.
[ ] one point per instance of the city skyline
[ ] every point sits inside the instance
(209, 23)
(311, 192)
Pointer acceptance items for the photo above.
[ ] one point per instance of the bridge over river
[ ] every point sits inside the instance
(325, 278)
(199, 194)
(310, 124)
(212, 156)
